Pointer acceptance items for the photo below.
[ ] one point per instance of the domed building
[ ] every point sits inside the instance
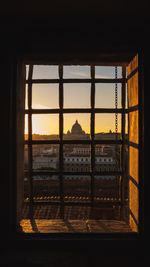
(77, 129)
(76, 132)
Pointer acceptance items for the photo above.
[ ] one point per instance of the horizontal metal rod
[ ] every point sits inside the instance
(132, 73)
(81, 203)
(95, 80)
(131, 109)
(100, 173)
(133, 181)
(42, 142)
(65, 142)
(129, 143)
(76, 110)
(133, 217)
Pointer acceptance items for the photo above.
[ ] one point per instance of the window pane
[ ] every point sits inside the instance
(45, 72)
(126, 125)
(133, 205)
(26, 97)
(133, 163)
(45, 157)
(106, 187)
(105, 126)
(105, 95)
(77, 95)
(26, 189)
(79, 72)
(126, 96)
(27, 71)
(76, 188)
(76, 126)
(133, 65)
(133, 90)
(46, 188)
(26, 127)
(45, 126)
(45, 96)
(26, 157)
(107, 158)
(77, 158)
(133, 127)
(76, 213)
(107, 72)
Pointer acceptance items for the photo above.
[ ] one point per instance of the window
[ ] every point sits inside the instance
(70, 102)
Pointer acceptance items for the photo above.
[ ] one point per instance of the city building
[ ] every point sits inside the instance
(76, 156)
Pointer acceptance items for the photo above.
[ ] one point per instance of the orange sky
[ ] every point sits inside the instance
(46, 96)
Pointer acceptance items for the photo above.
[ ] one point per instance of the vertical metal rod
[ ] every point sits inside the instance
(61, 141)
(92, 131)
(123, 96)
(30, 182)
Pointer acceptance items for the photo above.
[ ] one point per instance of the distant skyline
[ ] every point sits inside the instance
(46, 96)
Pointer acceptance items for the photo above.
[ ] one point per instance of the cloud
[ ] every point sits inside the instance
(102, 76)
(79, 73)
(85, 75)
(39, 106)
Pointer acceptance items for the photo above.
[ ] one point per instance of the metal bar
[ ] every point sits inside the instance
(78, 203)
(30, 141)
(96, 141)
(122, 211)
(133, 217)
(100, 173)
(95, 80)
(61, 139)
(133, 181)
(108, 110)
(129, 143)
(132, 73)
(43, 111)
(78, 110)
(40, 142)
(130, 109)
(92, 129)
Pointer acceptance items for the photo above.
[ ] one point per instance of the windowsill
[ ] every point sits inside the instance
(73, 226)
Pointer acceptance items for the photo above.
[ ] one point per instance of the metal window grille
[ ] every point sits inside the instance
(92, 142)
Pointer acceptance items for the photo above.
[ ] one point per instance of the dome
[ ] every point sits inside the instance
(76, 128)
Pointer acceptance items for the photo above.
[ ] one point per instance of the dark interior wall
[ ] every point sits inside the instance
(63, 29)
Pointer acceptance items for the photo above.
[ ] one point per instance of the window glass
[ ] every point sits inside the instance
(77, 95)
(45, 126)
(77, 126)
(76, 72)
(134, 129)
(45, 72)
(105, 123)
(133, 163)
(107, 72)
(45, 96)
(105, 95)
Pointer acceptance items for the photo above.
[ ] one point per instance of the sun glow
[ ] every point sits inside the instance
(48, 124)
(44, 124)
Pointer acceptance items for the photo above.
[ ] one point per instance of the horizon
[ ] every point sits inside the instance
(37, 126)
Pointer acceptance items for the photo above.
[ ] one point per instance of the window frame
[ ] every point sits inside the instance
(99, 235)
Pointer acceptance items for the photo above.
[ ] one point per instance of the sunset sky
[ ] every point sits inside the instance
(46, 96)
